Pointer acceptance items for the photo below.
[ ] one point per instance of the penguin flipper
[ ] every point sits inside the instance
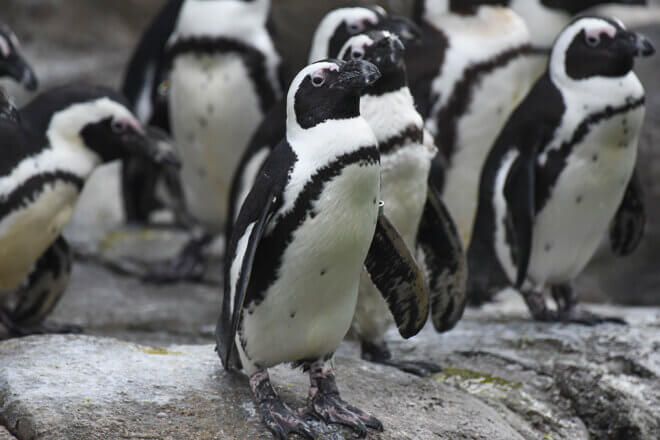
(42, 290)
(445, 261)
(519, 193)
(395, 273)
(627, 228)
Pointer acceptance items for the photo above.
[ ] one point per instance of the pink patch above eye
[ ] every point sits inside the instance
(597, 32)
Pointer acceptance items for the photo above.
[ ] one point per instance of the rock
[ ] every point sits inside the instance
(56, 387)
(505, 376)
(5, 435)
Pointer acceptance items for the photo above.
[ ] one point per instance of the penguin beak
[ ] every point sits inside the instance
(409, 33)
(642, 46)
(155, 145)
(356, 75)
(15, 67)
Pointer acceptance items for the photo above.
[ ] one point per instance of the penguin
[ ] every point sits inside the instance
(415, 210)
(468, 75)
(48, 154)
(214, 48)
(560, 169)
(309, 223)
(331, 34)
(12, 63)
(546, 19)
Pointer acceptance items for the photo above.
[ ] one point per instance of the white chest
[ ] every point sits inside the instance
(27, 233)
(585, 198)
(311, 304)
(214, 109)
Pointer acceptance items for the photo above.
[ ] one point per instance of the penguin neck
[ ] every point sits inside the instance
(391, 81)
(392, 115)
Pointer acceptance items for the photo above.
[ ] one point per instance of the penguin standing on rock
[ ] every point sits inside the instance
(48, 153)
(415, 210)
(12, 64)
(560, 170)
(294, 260)
(330, 36)
(469, 74)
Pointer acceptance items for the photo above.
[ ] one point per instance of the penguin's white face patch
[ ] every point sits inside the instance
(355, 46)
(344, 21)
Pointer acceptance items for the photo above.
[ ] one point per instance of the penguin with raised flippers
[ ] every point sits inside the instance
(414, 209)
(49, 151)
(560, 170)
(299, 245)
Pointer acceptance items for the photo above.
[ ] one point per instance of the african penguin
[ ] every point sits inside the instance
(330, 35)
(467, 77)
(406, 157)
(560, 169)
(218, 73)
(300, 241)
(61, 137)
(12, 64)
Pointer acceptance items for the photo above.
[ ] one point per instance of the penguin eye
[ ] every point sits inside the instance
(119, 127)
(593, 40)
(357, 54)
(318, 79)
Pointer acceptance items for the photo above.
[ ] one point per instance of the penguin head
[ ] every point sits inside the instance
(113, 132)
(383, 49)
(328, 89)
(12, 63)
(597, 47)
(82, 117)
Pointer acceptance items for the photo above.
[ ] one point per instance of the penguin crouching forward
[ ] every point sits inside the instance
(47, 156)
(560, 172)
(330, 36)
(12, 64)
(415, 210)
(294, 260)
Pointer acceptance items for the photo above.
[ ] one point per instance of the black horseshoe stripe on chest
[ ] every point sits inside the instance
(32, 188)
(549, 173)
(412, 133)
(254, 60)
(268, 259)
(458, 103)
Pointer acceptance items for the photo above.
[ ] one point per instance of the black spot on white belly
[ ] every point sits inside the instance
(293, 315)
(323, 272)
(578, 199)
(203, 122)
(210, 109)
(594, 158)
(548, 247)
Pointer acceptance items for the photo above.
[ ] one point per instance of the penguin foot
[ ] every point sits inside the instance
(567, 309)
(189, 265)
(380, 354)
(326, 403)
(281, 420)
(18, 329)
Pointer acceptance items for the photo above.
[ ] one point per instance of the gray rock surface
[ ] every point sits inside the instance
(505, 377)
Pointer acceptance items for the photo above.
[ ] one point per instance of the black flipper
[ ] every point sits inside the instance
(45, 285)
(147, 68)
(445, 262)
(627, 228)
(395, 273)
(263, 200)
(519, 194)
